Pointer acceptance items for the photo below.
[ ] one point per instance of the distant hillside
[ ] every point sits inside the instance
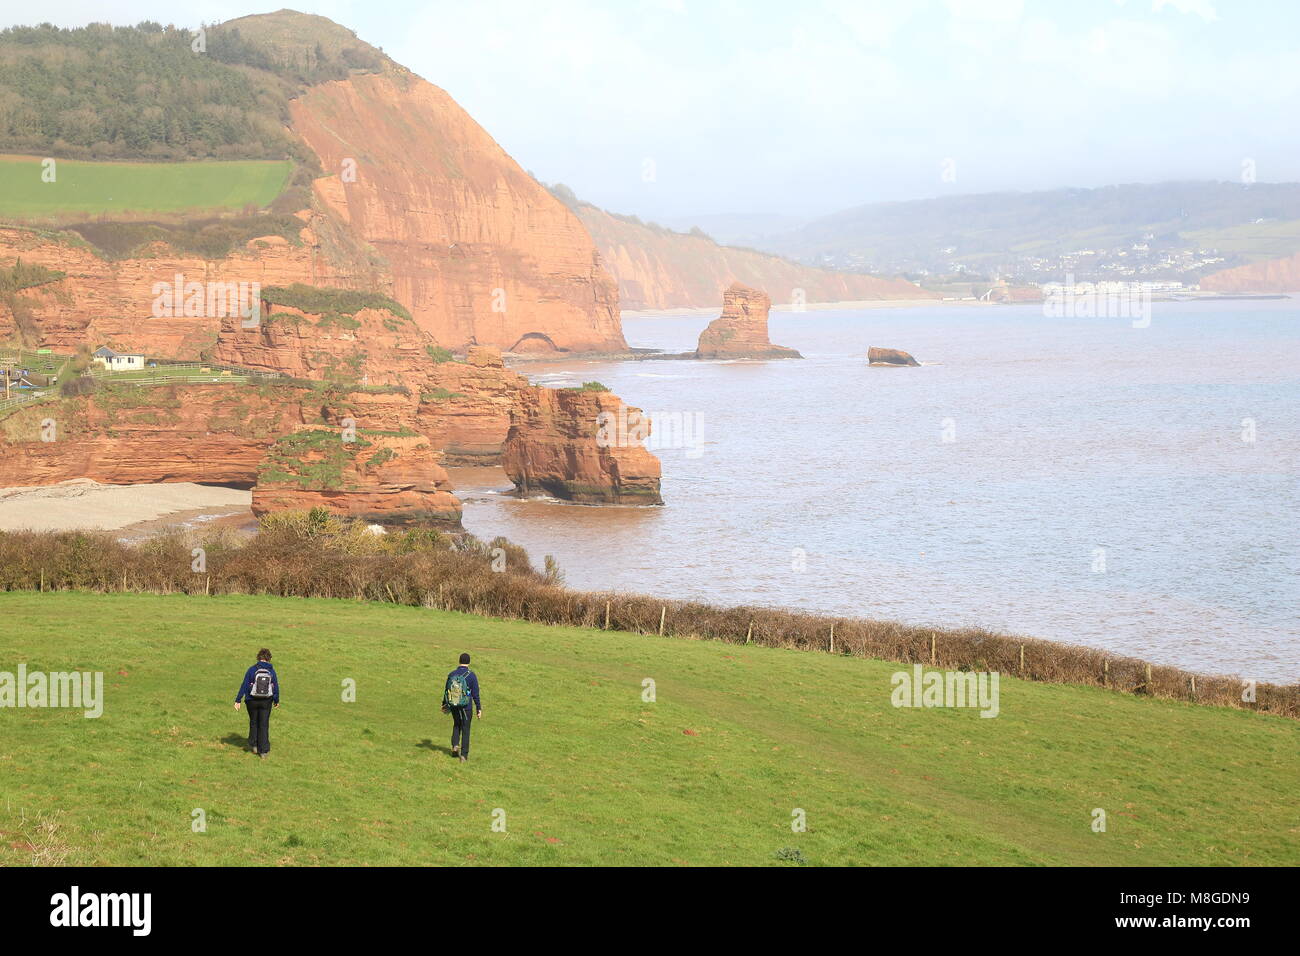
(658, 268)
(1166, 230)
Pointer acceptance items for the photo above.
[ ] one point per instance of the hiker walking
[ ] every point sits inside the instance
(461, 691)
(261, 686)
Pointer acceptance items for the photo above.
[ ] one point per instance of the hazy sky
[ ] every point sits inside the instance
(670, 108)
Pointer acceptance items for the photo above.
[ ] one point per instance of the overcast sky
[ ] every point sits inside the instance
(673, 108)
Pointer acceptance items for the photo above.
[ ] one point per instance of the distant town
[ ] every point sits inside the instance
(1166, 266)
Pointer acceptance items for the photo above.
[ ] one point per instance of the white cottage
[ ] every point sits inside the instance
(117, 361)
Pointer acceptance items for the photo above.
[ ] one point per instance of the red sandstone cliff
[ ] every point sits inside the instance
(374, 347)
(1275, 275)
(478, 250)
(380, 478)
(437, 216)
(210, 433)
(741, 331)
(419, 412)
(112, 302)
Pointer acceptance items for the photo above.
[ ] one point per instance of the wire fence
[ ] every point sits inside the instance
(15, 400)
(179, 371)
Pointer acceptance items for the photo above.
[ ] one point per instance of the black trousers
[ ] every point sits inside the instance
(259, 723)
(461, 717)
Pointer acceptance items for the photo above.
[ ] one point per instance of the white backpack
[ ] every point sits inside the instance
(263, 685)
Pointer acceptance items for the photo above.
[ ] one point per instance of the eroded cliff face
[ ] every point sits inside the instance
(567, 443)
(477, 249)
(276, 440)
(411, 409)
(372, 347)
(129, 435)
(386, 479)
(102, 302)
(438, 217)
(659, 269)
(1275, 275)
(741, 331)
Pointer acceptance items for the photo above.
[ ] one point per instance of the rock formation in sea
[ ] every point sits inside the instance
(741, 331)
(574, 443)
(889, 357)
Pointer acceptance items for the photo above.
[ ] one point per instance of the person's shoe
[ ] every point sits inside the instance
(463, 758)
(455, 751)
(263, 756)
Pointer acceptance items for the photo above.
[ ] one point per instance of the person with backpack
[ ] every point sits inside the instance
(460, 692)
(261, 686)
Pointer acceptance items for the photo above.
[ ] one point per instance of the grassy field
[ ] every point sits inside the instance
(1274, 239)
(586, 771)
(85, 187)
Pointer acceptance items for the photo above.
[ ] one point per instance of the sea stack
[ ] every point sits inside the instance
(583, 445)
(741, 331)
(889, 357)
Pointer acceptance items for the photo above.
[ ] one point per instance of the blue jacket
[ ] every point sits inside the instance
(247, 685)
(471, 680)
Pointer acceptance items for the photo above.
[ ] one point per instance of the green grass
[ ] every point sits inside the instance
(88, 187)
(586, 772)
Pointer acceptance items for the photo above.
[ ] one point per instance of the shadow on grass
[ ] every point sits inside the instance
(235, 740)
(427, 744)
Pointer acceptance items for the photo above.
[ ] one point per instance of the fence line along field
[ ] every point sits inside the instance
(121, 187)
(579, 759)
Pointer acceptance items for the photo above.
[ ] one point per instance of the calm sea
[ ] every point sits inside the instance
(1080, 479)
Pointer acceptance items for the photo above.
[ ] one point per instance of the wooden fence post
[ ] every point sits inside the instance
(607, 615)
(750, 633)
(1105, 673)
(1193, 685)
(1022, 658)
(1147, 685)
(663, 612)
(832, 637)
(932, 648)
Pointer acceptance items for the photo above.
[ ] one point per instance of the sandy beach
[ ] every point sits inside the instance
(88, 505)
